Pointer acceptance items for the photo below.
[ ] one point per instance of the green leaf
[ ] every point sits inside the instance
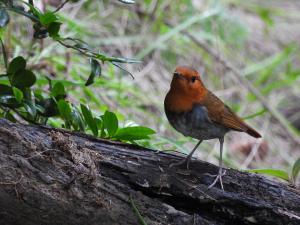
(47, 18)
(296, 169)
(272, 172)
(95, 71)
(18, 63)
(116, 59)
(5, 90)
(89, 119)
(58, 89)
(258, 113)
(9, 117)
(4, 55)
(18, 94)
(4, 18)
(30, 108)
(40, 109)
(9, 101)
(64, 109)
(100, 125)
(53, 29)
(110, 122)
(28, 94)
(50, 107)
(77, 120)
(133, 133)
(23, 78)
(35, 11)
(98, 121)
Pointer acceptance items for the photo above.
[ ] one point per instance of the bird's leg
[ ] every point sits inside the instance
(187, 160)
(220, 173)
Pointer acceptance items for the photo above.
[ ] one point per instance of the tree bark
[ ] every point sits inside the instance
(54, 176)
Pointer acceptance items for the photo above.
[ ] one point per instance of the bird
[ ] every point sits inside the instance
(195, 111)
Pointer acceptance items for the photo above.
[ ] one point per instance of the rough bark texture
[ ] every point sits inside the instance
(51, 176)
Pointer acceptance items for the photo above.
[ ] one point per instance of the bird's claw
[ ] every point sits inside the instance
(215, 175)
(218, 178)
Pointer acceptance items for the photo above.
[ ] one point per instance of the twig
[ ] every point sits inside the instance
(137, 212)
(283, 122)
(14, 183)
(61, 6)
(120, 67)
(153, 11)
(75, 48)
(4, 54)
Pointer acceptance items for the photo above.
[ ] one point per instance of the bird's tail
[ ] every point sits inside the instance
(249, 130)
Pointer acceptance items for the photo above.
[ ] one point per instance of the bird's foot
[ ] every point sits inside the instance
(185, 162)
(219, 176)
(215, 175)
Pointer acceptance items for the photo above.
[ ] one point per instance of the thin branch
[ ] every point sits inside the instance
(120, 67)
(137, 212)
(75, 48)
(21, 12)
(61, 6)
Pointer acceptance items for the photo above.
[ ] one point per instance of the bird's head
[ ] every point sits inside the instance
(187, 81)
(186, 90)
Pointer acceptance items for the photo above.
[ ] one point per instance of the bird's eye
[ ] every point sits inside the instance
(193, 79)
(176, 74)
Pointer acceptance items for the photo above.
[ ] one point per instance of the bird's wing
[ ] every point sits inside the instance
(221, 114)
(232, 121)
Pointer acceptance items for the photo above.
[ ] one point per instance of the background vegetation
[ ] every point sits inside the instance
(230, 42)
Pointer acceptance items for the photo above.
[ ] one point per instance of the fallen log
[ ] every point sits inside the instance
(55, 176)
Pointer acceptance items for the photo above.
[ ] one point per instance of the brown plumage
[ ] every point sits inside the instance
(220, 113)
(195, 111)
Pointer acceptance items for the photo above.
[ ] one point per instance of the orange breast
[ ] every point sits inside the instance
(177, 102)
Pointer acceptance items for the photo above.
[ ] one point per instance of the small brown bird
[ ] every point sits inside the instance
(196, 112)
